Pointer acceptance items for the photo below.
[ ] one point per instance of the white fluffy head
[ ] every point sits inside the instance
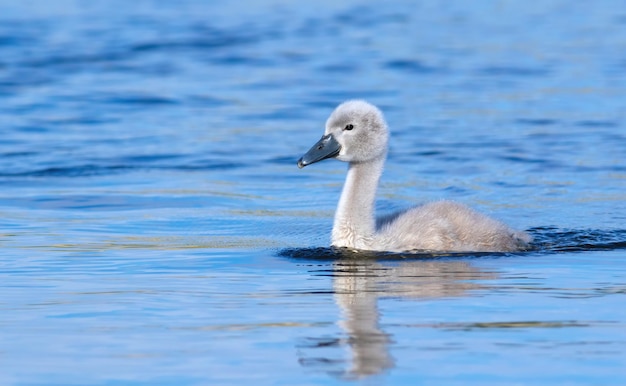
(360, 129)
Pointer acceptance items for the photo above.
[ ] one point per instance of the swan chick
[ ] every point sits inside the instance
(356, 133)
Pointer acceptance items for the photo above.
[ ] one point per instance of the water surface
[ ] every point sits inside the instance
(154, 227)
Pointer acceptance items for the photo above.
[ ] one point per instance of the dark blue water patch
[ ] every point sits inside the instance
(240, 60)
(139, 99)
(206, 166)
(74, 61)
(545, 240)
(42, 123)
(367, 17)
(552, 239)
(283, 160)
(528, 160)
(336, 96)
(267, 84)
(73, 58)
(13, 81)
(512, 71)
(510, 185)
(161, 69)
(620, 19)
(282, 114)
(295, 177)
(92, 170)
(340, 68)
(538, 164)
(151, 158)
(110, 202)
(18, 154)
(537, 121)
(196, 43)
(14, 40)
(458, 159)
(597, 124)
(32, 129)
(456, 190)
(294, 58)
(428, 153)
(411, 66)
(69, 171)
(10, 142)
(128, 98)
(206, 101)
(32, 107)
(592, 169)
(100, 97)
(393, 155)
(316, 27)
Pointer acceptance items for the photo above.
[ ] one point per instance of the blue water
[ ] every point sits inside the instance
(155, 230)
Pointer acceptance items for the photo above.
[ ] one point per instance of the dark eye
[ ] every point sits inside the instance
(349, 127)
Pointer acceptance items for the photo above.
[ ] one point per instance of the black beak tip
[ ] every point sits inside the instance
(326, 147)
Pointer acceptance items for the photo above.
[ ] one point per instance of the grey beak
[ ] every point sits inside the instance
(326, 147)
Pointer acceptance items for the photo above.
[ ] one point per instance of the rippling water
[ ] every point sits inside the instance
(154, 227)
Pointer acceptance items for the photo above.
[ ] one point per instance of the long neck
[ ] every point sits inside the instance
(355, 223)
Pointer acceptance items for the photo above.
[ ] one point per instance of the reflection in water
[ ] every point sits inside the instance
(355, 287)
(358, 284)
(360, 279)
